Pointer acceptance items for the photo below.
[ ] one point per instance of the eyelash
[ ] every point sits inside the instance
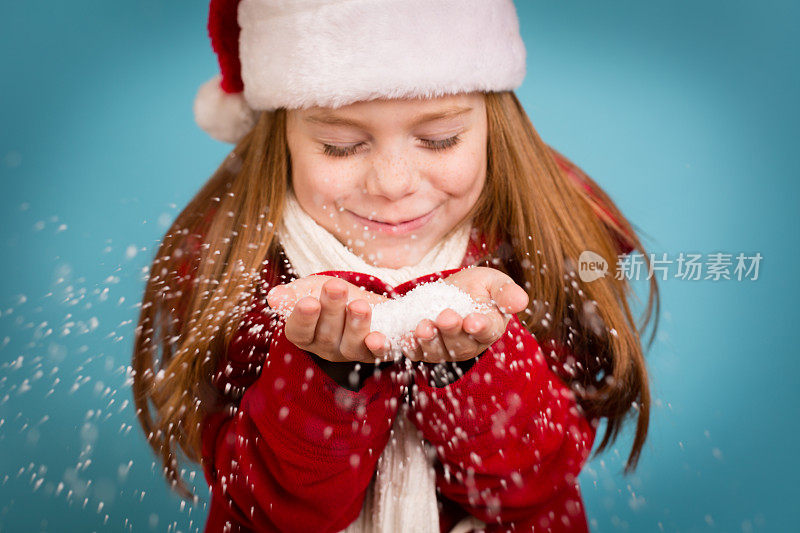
(437, 146)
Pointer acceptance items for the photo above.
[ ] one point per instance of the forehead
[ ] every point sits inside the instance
(397, 112)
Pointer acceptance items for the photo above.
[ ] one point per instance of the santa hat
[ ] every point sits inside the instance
(302, 53)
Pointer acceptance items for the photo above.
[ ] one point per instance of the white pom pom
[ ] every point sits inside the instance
(224, 116)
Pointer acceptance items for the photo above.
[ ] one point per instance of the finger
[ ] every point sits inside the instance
(507, 295)
(309, 285)
(328, 335)
(410, 348)
(281, 298)
(457, 343)
(356, 328)
(302, 322)
(379, 346)
(485, 329)
(430, 342)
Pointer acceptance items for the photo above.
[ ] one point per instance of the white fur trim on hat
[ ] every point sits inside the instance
(224, 116)
(330, 53)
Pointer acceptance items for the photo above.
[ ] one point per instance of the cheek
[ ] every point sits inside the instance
(461, 175)
(317, 178)
(322, 182)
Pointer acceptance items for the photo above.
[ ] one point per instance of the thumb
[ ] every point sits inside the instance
(507, 295)
(281, 297)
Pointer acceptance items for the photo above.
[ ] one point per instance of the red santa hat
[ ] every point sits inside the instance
(302, 53)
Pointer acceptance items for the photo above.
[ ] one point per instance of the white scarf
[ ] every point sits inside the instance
(402, 495)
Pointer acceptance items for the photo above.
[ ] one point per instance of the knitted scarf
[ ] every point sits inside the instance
(402, 495)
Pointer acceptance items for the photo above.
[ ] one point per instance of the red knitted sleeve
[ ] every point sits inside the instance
(510, 439)
(298, 452)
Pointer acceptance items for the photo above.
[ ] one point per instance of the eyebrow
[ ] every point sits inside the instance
(333, 120)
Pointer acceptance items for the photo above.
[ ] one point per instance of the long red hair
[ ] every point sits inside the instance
(538, 210)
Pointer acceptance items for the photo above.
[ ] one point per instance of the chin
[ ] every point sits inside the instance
(394, 257)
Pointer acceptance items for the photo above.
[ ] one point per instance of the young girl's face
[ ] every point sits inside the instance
(364, 169)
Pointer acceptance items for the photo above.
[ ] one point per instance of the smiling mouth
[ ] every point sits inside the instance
(396, 223)
(397, 228)
(388, 223)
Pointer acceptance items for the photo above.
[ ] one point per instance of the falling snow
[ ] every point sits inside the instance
(70, 345)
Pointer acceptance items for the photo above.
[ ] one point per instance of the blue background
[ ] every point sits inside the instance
(685, 112)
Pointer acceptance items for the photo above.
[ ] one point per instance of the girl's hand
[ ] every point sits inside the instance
(330, 318)
(451, 338)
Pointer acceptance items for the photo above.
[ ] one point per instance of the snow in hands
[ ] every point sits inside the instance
(397, 317)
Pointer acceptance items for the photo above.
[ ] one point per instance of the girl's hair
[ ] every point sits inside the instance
(537, 210)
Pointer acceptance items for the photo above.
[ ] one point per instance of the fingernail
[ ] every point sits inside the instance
(335, 294)
(428, 335)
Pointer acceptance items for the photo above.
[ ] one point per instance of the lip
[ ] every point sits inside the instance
(395, 229)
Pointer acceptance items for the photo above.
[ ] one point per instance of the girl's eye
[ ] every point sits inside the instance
(444, 144)
(339, 151)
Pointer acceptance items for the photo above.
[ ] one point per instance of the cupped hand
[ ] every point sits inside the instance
(451, 338)
(331, 318)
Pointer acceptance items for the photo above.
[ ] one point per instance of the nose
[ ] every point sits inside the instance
(392, 176)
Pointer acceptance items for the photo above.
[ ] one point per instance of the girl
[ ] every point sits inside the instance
(379, 146)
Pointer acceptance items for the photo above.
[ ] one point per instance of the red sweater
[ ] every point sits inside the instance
(298, 451)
